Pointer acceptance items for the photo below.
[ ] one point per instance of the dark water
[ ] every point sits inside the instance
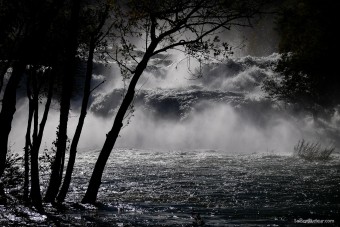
(168, 188)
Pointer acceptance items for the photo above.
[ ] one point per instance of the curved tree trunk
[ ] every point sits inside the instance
(73, 151)
(111, 137)
(35, 184)
(69, 71)
(9, 98)
(8, 110)
(57, 168)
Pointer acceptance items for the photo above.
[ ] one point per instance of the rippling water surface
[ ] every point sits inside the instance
(170, 188)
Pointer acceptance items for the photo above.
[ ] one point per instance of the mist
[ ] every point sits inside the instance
(217, 126)
(224, 110)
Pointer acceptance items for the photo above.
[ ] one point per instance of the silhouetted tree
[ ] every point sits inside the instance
(36, 81)
(28, 143)
(308, 76)
(33, 23)
(96, 36)
(8, 110)
(71, 46)
(164, 25)
(11, 27)
(38, 131)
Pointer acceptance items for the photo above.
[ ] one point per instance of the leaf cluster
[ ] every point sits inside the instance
(192, 27)
(309, 47)
(13, 175)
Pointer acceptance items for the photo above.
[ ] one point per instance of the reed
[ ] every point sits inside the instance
(313, 151)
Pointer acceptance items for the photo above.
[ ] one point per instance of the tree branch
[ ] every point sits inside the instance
(120, 64)
(153, 27)
(181, 22)
(183, 42)
(97, 86)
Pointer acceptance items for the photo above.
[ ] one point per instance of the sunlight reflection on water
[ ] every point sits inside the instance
(169, 188)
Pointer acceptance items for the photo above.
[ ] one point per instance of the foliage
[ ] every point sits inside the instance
(191, 27)
(48, 157)
(312, 151)
(46, 160)
(309, 45)
(14, 174)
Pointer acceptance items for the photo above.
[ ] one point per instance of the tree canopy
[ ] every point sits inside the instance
(309, 45)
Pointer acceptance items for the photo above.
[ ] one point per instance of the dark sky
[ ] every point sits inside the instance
(259, 40)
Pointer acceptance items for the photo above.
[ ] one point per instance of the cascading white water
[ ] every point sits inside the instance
(224, 109)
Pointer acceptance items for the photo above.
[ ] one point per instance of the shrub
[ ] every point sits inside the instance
(313, 151)
(46, 161)
(12, 178)
(13, 175)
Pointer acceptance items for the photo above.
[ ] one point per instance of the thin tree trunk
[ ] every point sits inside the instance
(28, 143)
(57, 168)
(35, 185)
(76, 137)
(28, 146)
(8, 110)
(9, 98)
(111, 137)
(35, 188)
(71, 49)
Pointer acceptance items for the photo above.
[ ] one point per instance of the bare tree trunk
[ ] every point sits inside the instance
(95, 37)
(57, 168)
(8, 110)
(28, 143)
(27, 149)
(35, 185)
(76, 137)
(111, 137)
(37, 138)
(58, 164)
